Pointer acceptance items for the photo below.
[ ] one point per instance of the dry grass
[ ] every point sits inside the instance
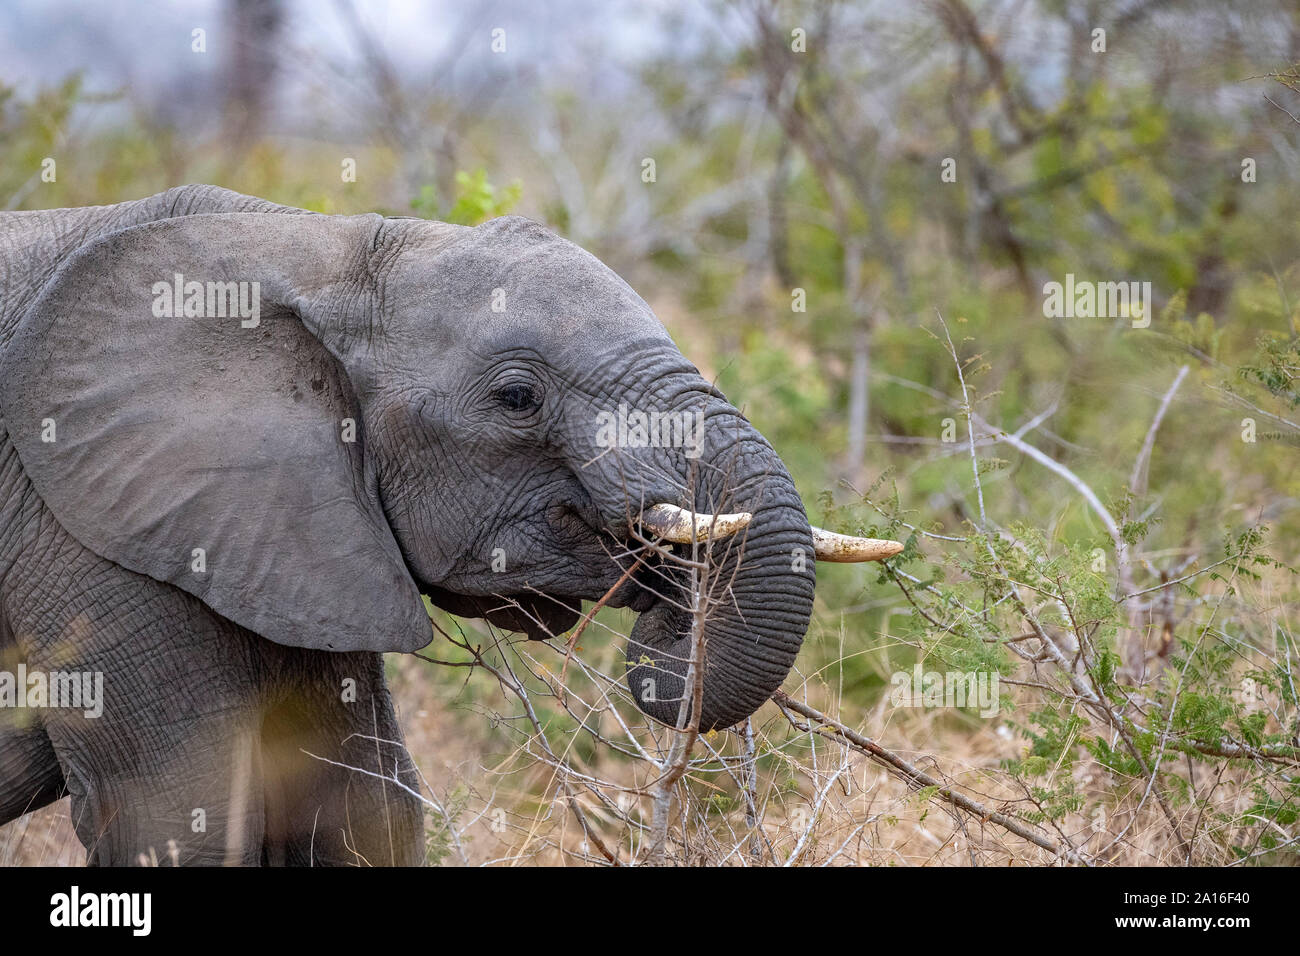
(821, 804)
(551, 778)
(42, 838)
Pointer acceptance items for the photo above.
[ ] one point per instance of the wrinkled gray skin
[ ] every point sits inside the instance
(475, 431)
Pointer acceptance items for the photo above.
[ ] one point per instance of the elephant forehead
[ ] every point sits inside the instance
(522, 280)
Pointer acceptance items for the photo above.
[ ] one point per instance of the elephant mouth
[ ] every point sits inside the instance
(543, 615)
(658, 649)
(539, 616)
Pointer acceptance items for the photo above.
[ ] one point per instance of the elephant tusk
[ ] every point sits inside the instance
(675, 524)
(845, 549)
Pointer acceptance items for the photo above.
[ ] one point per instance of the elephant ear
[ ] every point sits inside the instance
(212, 451)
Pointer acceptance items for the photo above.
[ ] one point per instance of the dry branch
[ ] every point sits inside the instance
(918, 779)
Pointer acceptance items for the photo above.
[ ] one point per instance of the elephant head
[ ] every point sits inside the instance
(307, 421)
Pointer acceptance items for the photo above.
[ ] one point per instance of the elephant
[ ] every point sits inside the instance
(239, 444)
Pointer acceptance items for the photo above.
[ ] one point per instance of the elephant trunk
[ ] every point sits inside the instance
(751, 602)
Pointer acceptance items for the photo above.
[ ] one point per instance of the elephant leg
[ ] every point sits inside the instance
(205, 725)
(170, 774)
(30, 776)
(168, 767)
(200, 807)
(333, 750)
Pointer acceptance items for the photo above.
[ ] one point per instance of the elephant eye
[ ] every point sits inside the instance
(518, 396)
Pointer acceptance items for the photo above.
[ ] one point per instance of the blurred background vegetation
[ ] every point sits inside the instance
(812, 195)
